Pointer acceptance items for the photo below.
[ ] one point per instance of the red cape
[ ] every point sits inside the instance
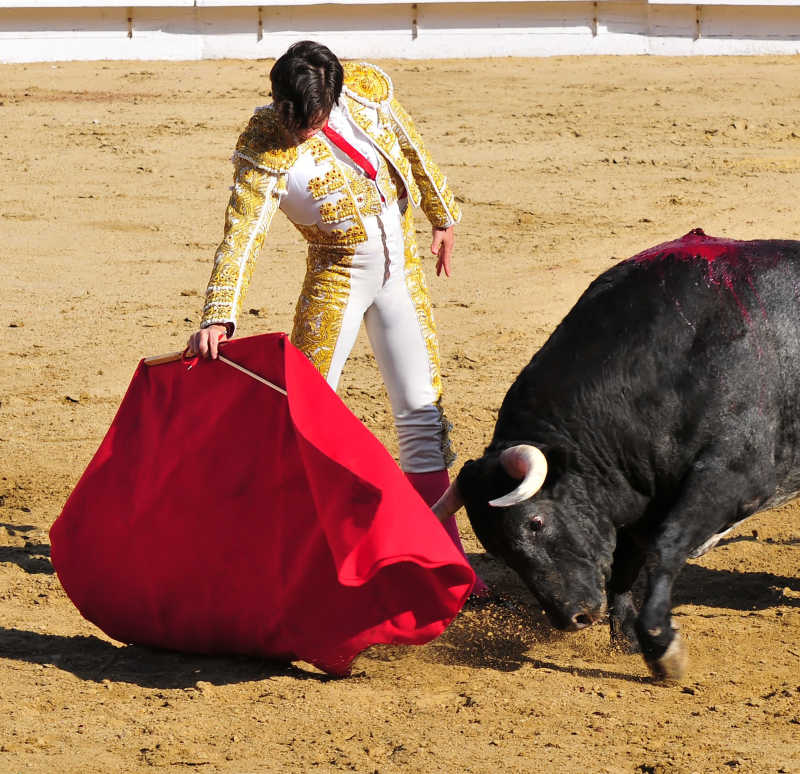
(220, 516)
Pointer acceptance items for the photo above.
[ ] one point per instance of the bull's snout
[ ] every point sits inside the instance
(585, 617)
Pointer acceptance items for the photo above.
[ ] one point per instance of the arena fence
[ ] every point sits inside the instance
(52, 30)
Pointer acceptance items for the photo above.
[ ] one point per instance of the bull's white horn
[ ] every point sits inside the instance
(448, 503)
(525, 462)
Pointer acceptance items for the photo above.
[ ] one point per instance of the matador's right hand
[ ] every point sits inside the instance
(206, 341)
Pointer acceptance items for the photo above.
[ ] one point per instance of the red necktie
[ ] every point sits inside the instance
(347, 148)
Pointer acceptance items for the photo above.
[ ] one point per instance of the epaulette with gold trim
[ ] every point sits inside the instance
(367, 82)
(264, 143)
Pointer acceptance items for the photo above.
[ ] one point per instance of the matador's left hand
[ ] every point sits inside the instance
(442, 247)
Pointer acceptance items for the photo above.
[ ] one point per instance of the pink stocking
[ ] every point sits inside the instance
(431, 486)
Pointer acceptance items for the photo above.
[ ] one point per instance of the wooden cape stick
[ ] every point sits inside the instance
(171, 357)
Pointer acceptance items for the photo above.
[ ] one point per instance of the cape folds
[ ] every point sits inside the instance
(221, 516)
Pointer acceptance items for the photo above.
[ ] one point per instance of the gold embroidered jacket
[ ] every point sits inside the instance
(336, 195)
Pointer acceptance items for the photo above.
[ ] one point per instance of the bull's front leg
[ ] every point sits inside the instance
(711, 498)
(628, 560)
(661, 644)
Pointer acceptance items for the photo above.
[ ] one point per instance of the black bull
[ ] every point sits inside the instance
(667, 407)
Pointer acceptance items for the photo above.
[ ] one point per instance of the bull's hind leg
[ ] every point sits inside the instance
(711, 497)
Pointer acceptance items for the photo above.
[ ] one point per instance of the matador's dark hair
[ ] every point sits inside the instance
(306, 84)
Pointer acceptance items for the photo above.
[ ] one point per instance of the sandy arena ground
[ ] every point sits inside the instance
(116, 178)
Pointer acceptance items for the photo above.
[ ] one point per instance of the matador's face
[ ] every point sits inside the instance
(317, 122)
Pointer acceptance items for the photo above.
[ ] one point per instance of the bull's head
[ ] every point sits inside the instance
(531, 523)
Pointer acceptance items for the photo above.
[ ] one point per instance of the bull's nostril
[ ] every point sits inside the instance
(581, 620)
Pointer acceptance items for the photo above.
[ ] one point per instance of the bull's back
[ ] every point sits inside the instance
(668, 349)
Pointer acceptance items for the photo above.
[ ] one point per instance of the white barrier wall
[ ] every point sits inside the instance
(52, 30)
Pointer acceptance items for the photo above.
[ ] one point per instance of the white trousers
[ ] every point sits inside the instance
(399, 326)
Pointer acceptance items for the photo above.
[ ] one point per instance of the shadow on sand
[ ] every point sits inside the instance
(94, 659)
(33, 557)
(500, 632)
(504, 631)
(733, 590)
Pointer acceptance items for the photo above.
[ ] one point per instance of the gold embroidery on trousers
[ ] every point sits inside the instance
(417, 288)
(415, 282)
(448, 454)
(320, 308)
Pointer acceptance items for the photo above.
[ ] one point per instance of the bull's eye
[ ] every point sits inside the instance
(536, 523)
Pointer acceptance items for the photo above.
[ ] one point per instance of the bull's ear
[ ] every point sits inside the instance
(472, 478)
(467, 475)
(478, 479)
(558, 458)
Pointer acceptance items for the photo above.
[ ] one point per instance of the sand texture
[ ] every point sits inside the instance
(115, 177)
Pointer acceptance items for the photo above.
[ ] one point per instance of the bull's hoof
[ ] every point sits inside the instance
(625, 645)
(671, 667)
(623, 638)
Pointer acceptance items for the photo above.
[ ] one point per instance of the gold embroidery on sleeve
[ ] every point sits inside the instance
(438, 201)
(253, 202)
